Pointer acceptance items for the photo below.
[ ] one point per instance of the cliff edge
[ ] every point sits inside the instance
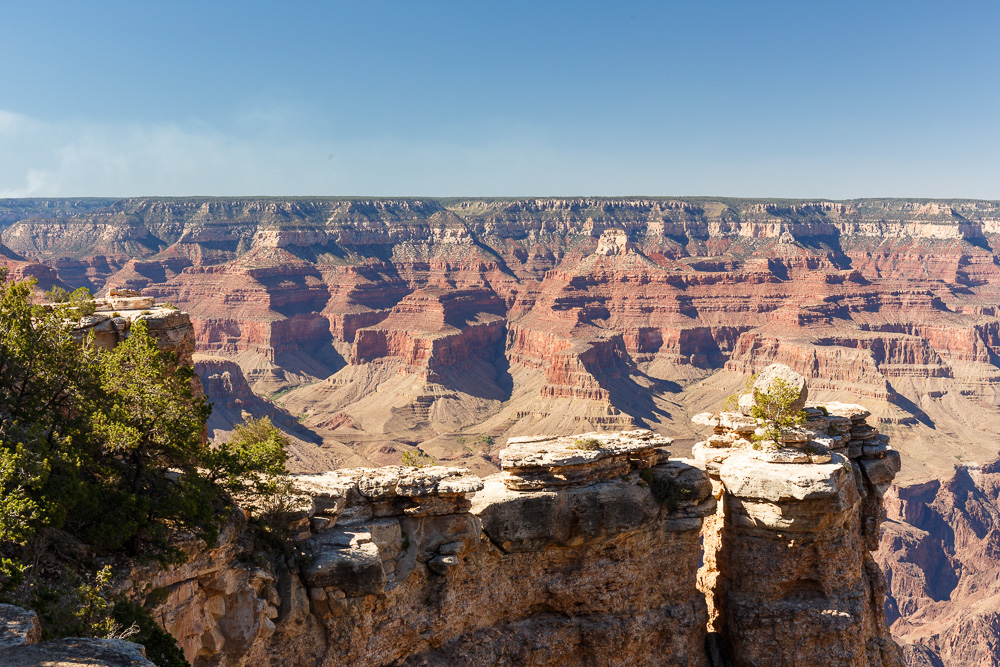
(595, 549)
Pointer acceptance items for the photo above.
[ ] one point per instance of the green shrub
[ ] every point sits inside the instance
(668, 492)
(76, 304)
(281, 392)
(587, 444)
(252, 463)
(108, 447)
(57, 294)
(417, 459)
(773, 409)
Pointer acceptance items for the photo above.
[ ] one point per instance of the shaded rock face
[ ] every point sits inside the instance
(435, 566)
(788, 571)
(940, 547)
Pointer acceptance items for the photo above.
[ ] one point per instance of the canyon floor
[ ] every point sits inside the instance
(367, 328)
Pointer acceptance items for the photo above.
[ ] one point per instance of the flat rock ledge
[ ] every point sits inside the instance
(20, 633)
(550, 462)
(830, 428)
(355, 495)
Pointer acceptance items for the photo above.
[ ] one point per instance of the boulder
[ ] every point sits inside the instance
(18, 627)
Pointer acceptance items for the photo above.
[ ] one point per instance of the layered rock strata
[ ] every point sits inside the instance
(594, 313)
(940, 545)
(110, 325)
(569, 557)
(584, 550)
(788, 569)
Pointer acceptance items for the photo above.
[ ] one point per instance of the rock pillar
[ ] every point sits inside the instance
(788, 572)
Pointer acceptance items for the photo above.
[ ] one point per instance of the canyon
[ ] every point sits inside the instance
(367, 328)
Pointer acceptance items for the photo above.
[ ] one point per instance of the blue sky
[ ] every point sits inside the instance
(769, 99)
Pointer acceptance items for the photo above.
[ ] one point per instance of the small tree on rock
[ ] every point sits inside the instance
(774, 407)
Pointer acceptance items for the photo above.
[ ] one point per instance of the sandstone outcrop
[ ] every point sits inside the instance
(584, 550)
(435, 566)
(110, 325)
(788, 570)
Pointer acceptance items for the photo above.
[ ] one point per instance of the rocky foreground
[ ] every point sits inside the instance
(595, 549)
(585, 550)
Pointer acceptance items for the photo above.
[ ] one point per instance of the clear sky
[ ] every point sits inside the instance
(811, 98)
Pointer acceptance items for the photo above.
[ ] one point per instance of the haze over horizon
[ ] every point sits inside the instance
(886, 99)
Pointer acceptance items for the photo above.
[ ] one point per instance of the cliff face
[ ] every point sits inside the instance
(567, 558)
(940, 547)
(586, 313)
(596, 549)
(577, 314)
(573, 555)
(788, 570)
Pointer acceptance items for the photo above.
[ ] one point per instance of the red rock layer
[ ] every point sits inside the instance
(940, 548)
(621, 308)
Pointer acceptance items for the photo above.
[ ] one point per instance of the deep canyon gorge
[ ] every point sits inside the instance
(366, 328)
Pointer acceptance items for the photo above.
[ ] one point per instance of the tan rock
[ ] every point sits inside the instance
(534, 464)
(769, 375)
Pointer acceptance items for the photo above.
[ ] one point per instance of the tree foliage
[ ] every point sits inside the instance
(417, 459)
(774, 408)
(251, 464)
(107, 447)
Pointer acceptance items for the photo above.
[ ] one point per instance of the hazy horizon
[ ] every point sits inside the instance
(515, 197)
(783, 100)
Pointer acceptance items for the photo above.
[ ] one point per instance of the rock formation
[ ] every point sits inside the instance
(20, 646)
(584, 550)
(584, 314)
(940, 546)
(568, 557)
(788, 570)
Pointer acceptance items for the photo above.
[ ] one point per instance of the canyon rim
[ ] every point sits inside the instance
(371, 328)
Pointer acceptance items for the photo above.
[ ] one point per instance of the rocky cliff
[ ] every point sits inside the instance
(940, 546)
(788, 570)
(585, 313)
(585, 550)
(576, 314)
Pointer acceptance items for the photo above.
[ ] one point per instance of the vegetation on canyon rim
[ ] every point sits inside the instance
(773, 407)
(102, 454)
(417, 459)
